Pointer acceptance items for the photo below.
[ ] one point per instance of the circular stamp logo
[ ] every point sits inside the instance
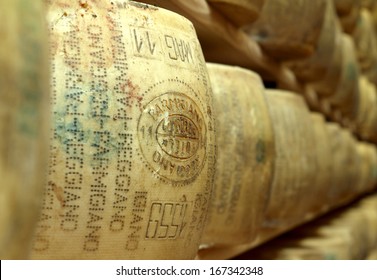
(172, 137)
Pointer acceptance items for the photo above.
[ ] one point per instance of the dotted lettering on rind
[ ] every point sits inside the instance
(136, 221)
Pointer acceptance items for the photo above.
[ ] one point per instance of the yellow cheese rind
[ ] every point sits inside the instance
(244, 166)
(23, 123)
(133, 148)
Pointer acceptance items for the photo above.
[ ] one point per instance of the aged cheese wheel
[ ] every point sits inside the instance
(337, 156)
(23, 123)
(240, 12)
(295, 168)
(368, 125)
(345, 162)
(373, 167)
(364, 168)
(367, 113)
(368, 4)
(314, 67)
(363, 105)
(288, 29)
(329, 83)
(132, 152)
(368, 167)
(350, 225)
(345, 7)
(346, 95)
(245, 156)
(368, 208)
(349, 21)
(347, 234)
(365, 41)
(322, 151)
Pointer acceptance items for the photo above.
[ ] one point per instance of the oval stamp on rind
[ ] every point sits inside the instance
(172, 137)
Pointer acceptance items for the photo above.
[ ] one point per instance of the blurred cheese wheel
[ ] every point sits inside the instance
(367, 153)
(329, 83)
(350, 225)
(362, 110)
(345, 165)
(372, 156)
(337, 157)
(362, 151)
(324, 167)
(369, 4)
(245, 156)
(345, 7)
(314, 67)
(132, 152)
(239, 12)
(350, 21)
(346, 95)
(288, 29)
(367, 113)
(23, 123)
(294, 170)
(368, 208)
(365, 41)
(367, 128)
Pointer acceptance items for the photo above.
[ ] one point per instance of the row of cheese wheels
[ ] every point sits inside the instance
(132, 150)
(325, 61)
(283, 165)
(349, 233)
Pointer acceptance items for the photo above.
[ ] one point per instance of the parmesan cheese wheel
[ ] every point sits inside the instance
(368, 208)
(365, 41)
(322, 153)
(363, 105)
(295, 170)
(346, 95)
(368, 125)
(337, 157)
(245, 156)
(314, 67)
(345, 7)
(288, 29)
(329, 83)
(350, 225)
(368, 4)
(23, 123)
(349, 21)
(240, 12)
(368, 173)
(133, 148)
(345, 165)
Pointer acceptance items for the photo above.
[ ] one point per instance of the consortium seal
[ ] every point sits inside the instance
(172, 137)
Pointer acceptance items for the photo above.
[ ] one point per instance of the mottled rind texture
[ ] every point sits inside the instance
(133, 148)
(23, 123)
(239, 12)
(288, 29)
(246, 146)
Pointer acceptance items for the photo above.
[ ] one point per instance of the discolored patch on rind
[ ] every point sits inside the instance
(260, 151)
(172, 137)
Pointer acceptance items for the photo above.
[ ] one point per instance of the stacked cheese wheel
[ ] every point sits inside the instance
(245, 159)
(23, 123)
(132, 151)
